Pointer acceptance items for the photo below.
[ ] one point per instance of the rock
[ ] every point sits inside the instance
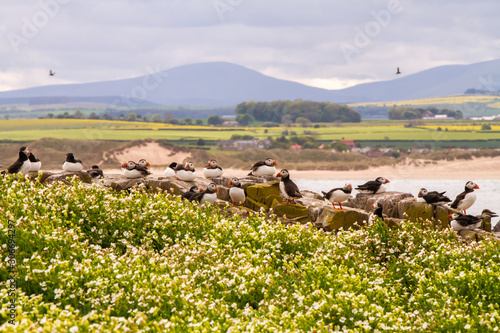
(263, 196)
(332, 219)
(291, 211)
(49, 178)
(389, 201)
(497, 227)
(413, 211)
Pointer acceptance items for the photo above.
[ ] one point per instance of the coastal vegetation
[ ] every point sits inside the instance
(89, 259)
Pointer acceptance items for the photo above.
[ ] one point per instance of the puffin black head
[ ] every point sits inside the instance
(189, 166)
(270, 162)
(283, 174)
(70, 157)
(234, 182)
(212, 164)
(212, 188)
(378, 209)
(194, 189)
(130, 165)
(143, 163)
(347, 187)
(454, 216)
(471, 186)
(95, 167)
(33, 158)
(422, 193)
(24, 153)
(382, 180)
(173, 165)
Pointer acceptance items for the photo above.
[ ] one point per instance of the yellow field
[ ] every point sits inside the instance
(457, 99)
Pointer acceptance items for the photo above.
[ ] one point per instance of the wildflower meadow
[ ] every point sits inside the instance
(92, 260)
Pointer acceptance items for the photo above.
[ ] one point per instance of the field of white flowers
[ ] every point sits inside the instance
(90, 260)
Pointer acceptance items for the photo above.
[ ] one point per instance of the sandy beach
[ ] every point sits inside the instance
(477, 168)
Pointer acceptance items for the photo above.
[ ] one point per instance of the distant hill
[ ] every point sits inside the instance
(219, 84)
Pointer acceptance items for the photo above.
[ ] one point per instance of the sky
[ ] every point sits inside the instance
(328, 44)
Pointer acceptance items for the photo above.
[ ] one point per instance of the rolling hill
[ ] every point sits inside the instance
(218, 84)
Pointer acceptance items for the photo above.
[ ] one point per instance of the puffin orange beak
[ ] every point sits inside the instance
(217, 190)
(229, 184)
(278, 175)
(208, 164)
(373, 204)
(387, 181)
(149, 164)
(275, 163)
(476, 187)
(449, 216)
(124, 165)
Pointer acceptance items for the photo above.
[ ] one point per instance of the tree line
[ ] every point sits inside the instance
(402, 112)
(283, 111)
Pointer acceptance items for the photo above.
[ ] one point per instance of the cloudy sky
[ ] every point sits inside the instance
(328, 44)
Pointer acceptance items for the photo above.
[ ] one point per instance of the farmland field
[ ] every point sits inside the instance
(22, 130)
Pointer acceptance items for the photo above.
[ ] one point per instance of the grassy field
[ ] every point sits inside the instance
(449, 100)
(92, 260)
(24, 130)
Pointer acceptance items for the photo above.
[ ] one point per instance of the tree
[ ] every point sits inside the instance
(303, 121)
(245, 119)
(78, 114)
(156, 118)
(287, 120)
(93, 115)
(131, 117)
(188, 121)
(6, 117)
(485, 127)
(199, 122)
(200, 142)
(214, 120)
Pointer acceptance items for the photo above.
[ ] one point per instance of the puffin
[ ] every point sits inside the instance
(373, 186)
(133, 170)
(377, 213)
(72, 163)
(466, 199)
(209, 195)
(35, 163)
(170, 170)
(95, 172)
(185, 172)
(212, 170)
(143, 163)
(236, 192)
(22, 165)
(192, 191)
(339, 194)
(433, 197)
(459, 221)
(288, 189)
(264, 168)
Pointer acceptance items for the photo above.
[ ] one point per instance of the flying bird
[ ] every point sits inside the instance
(397, 71)
(51, 73)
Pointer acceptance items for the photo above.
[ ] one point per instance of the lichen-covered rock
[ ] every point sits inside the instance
(49, 178)
(413, 211)
(333, 219)
(263, 196)
(291, 211)
(441, 216)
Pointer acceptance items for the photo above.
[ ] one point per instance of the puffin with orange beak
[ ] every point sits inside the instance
(22, 165)
(209, 195)
(373, 186)
(467, 198)
(236, 192)
(288, 189)
(264, 168)
(185, 172)
(212, 170)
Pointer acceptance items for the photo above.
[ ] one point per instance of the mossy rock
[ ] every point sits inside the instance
(414, 211)
(254, 205)
(441, 215)
(273, 199)
(351, 219)
(291, 211)
(468, 235)
(260, 192)
(486, 224)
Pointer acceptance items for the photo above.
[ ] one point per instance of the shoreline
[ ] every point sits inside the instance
(477, 168)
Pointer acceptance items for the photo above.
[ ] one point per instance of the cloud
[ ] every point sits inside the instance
(304, 41)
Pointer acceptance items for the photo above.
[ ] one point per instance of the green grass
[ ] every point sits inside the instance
(102, 261)
(33, 129)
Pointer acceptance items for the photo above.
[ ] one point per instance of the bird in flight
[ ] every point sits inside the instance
(51, 73)
(397, 71)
